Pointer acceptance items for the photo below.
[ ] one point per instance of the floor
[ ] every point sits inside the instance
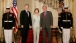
(30, 38)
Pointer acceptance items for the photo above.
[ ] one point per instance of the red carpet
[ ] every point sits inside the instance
(30, 37)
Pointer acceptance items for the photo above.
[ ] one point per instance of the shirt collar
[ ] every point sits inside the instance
(45, 12)
(26, 10)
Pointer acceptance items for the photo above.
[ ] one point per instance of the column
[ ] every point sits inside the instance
(0, 15)
(2, 11)
(66, 2)
(7, 3)
(38, 5)
(70, 5)
(53, 3)
(74, 19)
(33, 6)
(40, 8)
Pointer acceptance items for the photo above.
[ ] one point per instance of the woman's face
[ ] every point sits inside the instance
(36, 11)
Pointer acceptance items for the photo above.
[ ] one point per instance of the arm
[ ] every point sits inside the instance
(59, 20)
(61, 24)
(41, 20)
(51, 19)
(30, 20)
(21, 18)
(14, 20)
(3, 20)
(71, 20)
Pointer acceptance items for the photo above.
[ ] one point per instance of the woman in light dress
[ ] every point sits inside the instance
(36, 25)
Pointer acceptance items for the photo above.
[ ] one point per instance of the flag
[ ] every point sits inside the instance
(15, 11)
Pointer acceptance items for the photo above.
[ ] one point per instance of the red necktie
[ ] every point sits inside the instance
(44, 15)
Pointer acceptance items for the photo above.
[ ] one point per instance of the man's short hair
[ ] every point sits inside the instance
(44, 6)
(26, 5)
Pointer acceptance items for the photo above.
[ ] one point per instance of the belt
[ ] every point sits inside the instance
(8, 21)
(66, 20)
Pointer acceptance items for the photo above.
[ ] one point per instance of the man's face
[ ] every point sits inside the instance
(66, 10)
(7, 10)
(44, 8)
(26, 7)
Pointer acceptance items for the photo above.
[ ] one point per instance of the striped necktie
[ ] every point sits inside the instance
(44, 14)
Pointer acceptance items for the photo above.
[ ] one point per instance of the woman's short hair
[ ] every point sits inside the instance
(36, 9)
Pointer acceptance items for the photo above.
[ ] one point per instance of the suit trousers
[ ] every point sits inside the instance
(66, 35)
(44, 34)
(36, 32)
(24, 34)
(8, 35)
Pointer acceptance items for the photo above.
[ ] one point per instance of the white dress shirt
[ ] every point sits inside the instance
(27, 12)
(36, 21)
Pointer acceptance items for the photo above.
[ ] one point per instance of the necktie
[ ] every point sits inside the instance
(44, 15)
(28, 13)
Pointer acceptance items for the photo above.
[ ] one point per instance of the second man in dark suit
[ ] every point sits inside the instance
(46, 23)
(26, 23)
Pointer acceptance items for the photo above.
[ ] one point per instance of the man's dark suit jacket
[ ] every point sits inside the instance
(25, 20)
(46, 22)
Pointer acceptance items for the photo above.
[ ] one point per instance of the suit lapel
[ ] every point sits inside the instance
(26, 13)
(43, 14)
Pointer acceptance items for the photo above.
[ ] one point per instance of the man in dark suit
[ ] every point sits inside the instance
(26, 23)
(46, 23)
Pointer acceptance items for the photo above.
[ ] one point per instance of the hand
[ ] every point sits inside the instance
(16, 30)
(51, 26)
(71, 27)
(30, 27)
(40, 28)
(13, 27)
(61, 27)
(22, 26)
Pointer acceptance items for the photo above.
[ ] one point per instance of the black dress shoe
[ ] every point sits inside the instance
(3, 42)
(12, 42)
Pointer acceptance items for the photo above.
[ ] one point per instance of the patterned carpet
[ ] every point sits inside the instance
(30, 38)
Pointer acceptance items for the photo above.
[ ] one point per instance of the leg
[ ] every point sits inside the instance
(38, 32)
(24, 35)
(49, 34)
(34, 34)
(68, 35)
(10, 36)
(44, 35)
(6, 35)
(64, 36)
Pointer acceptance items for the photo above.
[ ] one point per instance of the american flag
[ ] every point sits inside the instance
(15, 11)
